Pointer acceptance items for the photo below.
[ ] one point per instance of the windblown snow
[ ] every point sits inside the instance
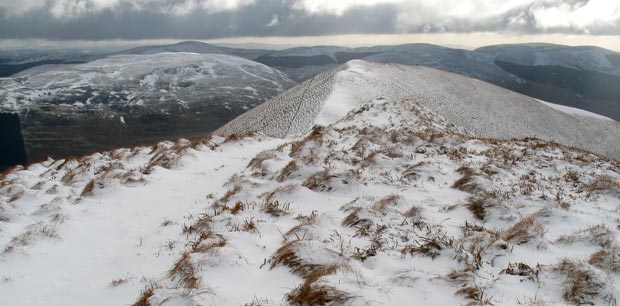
(384, 204)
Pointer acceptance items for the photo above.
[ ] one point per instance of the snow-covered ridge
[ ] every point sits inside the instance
(478, 107)
(388, 204)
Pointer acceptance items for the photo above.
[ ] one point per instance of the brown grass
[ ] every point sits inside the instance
(146, 294)
(354, 220)
(310, 292)
(430, 247)
(384, 203)
(524, 230)
(239, 206)
(522, 269)
(606, 260)
(598, 235)
(184, 271)
(602, 184)
(88, 189)
(276, 208)
(118, 282)
(315, 136)
(287, 256)
(478, 206)
(581, 285)
(288, 170)
(475, 294)
(319, 181)
(468, 182)
(414, 211)
(270, 196)
(258, 160)
(229, 194)
(236, 137)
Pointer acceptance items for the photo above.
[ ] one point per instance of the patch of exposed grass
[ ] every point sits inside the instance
(311, 292)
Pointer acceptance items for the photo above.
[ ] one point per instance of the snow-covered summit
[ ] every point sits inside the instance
(126, 100)
(480, 108)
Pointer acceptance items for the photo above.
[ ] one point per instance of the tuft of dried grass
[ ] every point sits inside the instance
(414, 211)
(469, 182)
(145, 295)
(310, 292)
(475, 294)
(606, 260)
(118, 282)
(384, 203)
(288, 170)
(184, 271)
(315, 136)
(229, 194)
(524, 230)
(602, 184)
(478, 206)
(269, 196)
(522, 269)
(582, 286)
(88, 189)
(239, 206)
(598, 235)
(320, 181)
(429, 246)
(276, 208)
(258, 160)
(236, 137)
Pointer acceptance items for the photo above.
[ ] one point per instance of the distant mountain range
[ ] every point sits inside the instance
(582, 77)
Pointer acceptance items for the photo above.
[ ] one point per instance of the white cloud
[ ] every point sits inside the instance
(213, 6)
(595, 13)
(336, 7)
(275, 21)
(448, 15)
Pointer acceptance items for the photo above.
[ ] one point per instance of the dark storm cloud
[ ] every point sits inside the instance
(252, 20)
(116, 19)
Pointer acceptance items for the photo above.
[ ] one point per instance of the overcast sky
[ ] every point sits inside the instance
(455, 22)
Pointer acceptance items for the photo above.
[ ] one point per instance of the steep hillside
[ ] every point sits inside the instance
(388, 204)
(134, 99)
(483, 109)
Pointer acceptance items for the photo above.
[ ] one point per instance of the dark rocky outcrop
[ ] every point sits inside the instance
(12, 150)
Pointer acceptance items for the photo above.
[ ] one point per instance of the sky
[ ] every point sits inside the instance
(460, 23)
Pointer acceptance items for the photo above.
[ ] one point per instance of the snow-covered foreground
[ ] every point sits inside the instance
(389, 205)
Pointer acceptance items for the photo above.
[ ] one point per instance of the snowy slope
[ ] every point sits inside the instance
(136, 79)
(134, 99)
(386, 205)
(481, 108)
